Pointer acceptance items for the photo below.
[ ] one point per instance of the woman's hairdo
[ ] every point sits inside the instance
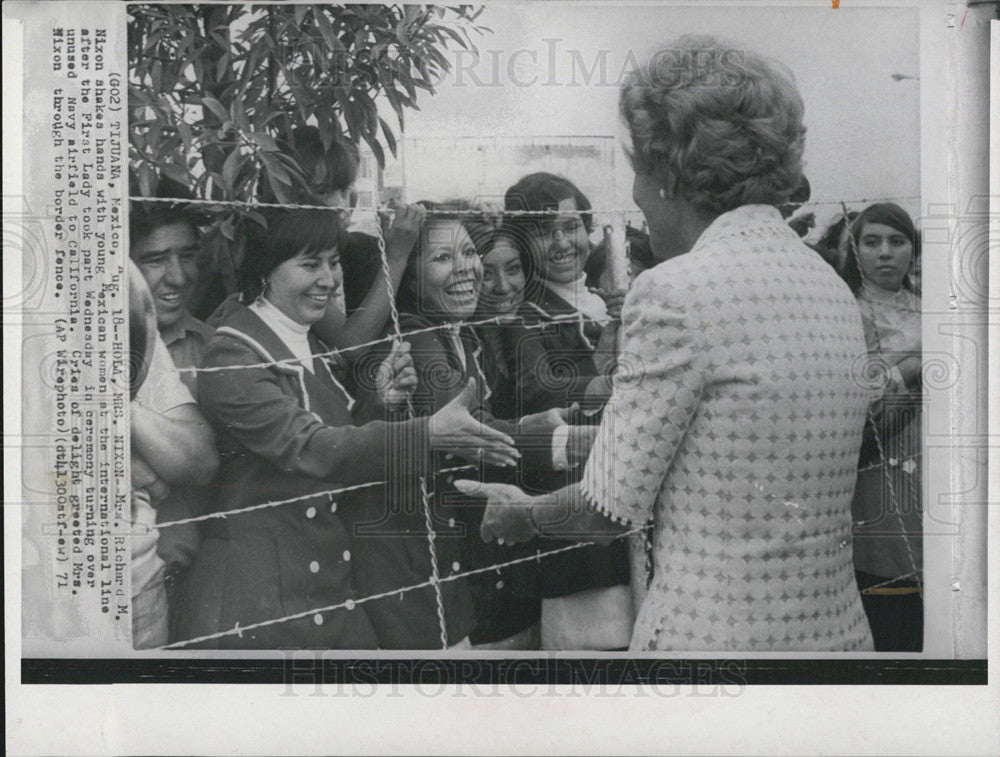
(287, 233)
(328, 169)
(457, 211)
(538, 192)
(325, 169)
(723, 122)
(888, 214)
(543, 191)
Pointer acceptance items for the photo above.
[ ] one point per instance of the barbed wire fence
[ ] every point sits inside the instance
(435, 580)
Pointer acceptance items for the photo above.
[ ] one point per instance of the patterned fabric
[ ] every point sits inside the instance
(888, 507)
(734, 427)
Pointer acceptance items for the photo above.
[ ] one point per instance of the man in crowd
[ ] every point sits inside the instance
(164, 248)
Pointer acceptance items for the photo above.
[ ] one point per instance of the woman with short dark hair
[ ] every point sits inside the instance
(563, 351)
(283, 575)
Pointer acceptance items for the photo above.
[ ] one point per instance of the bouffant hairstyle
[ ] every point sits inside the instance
(888, 214)
(723, 122)
(287, 233)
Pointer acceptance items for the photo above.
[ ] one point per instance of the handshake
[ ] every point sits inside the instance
(508, 517)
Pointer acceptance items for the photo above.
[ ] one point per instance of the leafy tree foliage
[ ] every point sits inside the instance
(215, 91)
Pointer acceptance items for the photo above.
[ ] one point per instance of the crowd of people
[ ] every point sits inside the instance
(400, 434)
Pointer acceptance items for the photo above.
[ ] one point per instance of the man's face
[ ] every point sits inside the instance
(168, 260)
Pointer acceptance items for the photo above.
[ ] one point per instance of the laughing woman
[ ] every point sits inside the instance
(286, 432)
(439, 292)
(563, 354)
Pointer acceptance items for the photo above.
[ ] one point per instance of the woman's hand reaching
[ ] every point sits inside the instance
(508, 511)
(454, 430)
(396, 378)
(402, 235)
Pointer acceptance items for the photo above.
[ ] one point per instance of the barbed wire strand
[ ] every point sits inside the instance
(424, 495)
(222, 514)
(498, 320)
(873, 422)
(371, 484)
(350, 604)
(223, 204)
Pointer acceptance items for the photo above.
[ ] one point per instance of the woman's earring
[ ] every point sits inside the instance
(263, 286)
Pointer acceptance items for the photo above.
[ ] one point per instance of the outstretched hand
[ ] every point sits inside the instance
(544, 423)
(454, 430)
(508, 511)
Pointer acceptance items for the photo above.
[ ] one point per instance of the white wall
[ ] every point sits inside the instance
(864, 127)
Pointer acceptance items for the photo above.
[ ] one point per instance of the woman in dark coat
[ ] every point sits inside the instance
(286, 432)
(564, 353)
(439, 291)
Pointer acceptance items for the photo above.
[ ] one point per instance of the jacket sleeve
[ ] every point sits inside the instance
(548, 367)
(438, 382)
(654, 402)
(253, 406)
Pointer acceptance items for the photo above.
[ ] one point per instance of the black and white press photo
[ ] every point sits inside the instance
(450, 374)
(479, 330)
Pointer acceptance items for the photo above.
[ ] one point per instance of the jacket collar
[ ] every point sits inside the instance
(550, 304)
(740, 221)
(244, 324)
(242, 319)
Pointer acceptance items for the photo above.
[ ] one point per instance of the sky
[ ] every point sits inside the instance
(530, 81)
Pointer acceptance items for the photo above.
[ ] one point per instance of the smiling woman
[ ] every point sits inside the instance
(302, 286)
(286, 430)
(444, 275)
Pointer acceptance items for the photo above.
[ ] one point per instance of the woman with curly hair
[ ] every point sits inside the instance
(735, 422)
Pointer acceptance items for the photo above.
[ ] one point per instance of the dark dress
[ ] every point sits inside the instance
(506, 599)
(887, 509)
(554, 365)
(284, 432)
